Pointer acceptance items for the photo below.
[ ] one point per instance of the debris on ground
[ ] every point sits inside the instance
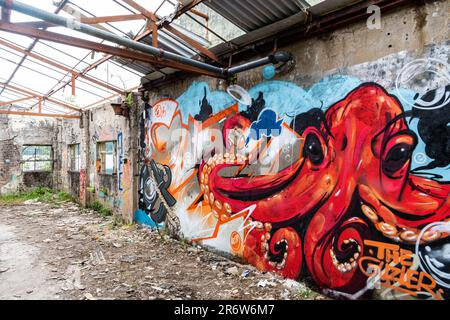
(74, 253)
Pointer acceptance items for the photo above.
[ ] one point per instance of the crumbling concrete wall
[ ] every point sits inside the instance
(114, 190)
(69, 133)
(321, 168)
(9, 158)
(15, 132)
(117, 190)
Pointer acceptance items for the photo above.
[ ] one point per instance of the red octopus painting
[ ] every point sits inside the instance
(352, 182)
(351, 199)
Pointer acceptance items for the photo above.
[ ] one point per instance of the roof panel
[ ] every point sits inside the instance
(117, 76)
(228, 19)
(7, 66)
(251, 14)
(9, 55)
(36, 66)
(34, 80)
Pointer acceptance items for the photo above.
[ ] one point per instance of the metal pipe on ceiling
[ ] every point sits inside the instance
(279, 56)
(109, 36)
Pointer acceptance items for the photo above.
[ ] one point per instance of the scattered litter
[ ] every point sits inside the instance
(184, 271)
(31, 202)
(89, 296)
(292, 284)
(128, 259)
(285, 294)
(232, 270)
(245, 273)
(264, 283)
(157, 288)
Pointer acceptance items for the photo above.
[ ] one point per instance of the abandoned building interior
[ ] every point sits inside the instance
(307, 138)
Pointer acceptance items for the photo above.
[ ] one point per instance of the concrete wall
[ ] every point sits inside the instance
(305, 175)
(115, 191)
(335, 170)
(15, 132)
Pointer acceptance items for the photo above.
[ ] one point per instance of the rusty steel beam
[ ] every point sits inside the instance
(188, 7)
(90, 45)
(99, 62)
(77, 14)
(105, 99)
(59, 66)
(109, 56)
(39, 114)
(73, 85)
(192, 42)
(200, 14)
(148, 14)
(160, 54)
(26, 91)
(5, 103)
(317, 26)
(119, 18)
(87, 20)
(8, 3)
(154, 34)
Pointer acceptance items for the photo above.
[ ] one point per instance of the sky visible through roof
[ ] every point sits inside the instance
(40, 78)
(37, 77)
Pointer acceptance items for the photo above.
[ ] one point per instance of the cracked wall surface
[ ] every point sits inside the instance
(336, 169)
(293, 177)
(15, 132)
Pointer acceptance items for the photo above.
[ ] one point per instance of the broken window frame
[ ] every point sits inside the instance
(36, 158)
(102, 153)
(75, 157)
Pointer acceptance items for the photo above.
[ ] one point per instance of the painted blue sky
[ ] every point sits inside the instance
(287, 99)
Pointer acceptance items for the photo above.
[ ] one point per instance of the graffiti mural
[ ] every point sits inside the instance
(345, 181)
(155, 178)
(154, 197)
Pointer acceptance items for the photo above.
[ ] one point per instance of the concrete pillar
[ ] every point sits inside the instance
(131, 145)
(84, 152)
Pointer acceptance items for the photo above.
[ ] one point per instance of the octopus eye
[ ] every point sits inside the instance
(313, 149)
(397, 157)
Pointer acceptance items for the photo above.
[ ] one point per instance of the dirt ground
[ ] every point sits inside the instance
(62, 251)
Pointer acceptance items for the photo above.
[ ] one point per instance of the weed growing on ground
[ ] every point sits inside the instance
(99, 208)
(40, 194)
(306, 294)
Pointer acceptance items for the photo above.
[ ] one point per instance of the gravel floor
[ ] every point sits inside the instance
(61, 251)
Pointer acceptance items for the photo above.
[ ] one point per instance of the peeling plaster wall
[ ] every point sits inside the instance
(327, 68)
(69, 133)
(251, 212)
(105, 126)
(15, 132)
(115, 191)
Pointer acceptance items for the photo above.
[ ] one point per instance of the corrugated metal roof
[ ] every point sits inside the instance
(258, 18)
(254, 14)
